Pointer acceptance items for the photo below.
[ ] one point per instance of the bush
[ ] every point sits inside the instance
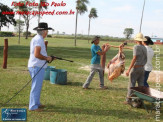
(85, 37)
(29, 33)
(6, 34)
(34, 35)
(49, 35)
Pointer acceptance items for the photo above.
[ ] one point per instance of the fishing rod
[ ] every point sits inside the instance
(53, 58)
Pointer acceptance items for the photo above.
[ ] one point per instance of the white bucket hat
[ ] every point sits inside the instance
(140, 37)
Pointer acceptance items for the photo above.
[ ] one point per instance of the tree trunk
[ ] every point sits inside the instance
(46, 44)
(89, 28)
(0, 25)
(76, 25)
(39, 9)
(27, 28)
(19, 31)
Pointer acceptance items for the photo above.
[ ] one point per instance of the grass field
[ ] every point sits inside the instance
(69, 103)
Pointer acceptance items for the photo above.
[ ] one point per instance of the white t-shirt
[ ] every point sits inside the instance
(33, 61)
(150, 54)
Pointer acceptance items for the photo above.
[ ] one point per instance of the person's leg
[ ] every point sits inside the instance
(140, 79)
(101, 76)
(35, 87)
(90, 77)
(146, 75)
(132, 82)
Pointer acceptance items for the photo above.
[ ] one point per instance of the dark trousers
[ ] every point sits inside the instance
(146, 75)
(136, 75)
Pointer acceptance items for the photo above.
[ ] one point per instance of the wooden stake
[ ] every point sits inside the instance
(123, 47)
(5, 53)
(46, 44)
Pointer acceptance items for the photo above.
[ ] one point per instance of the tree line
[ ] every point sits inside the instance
(81, 8)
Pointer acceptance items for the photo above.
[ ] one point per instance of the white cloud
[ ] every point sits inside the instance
(123, 8)
(110, 21)
(159, 12)
(157, 0)
(154, 24)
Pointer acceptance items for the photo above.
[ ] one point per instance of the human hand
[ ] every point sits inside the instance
(49, 58)
(127, 73)
(108, 65)
(107, 47)
(103, 47)
(121, 45)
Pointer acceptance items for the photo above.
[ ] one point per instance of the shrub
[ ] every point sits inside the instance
(49, 35)
(34, 35)
(6, 34)
(29, 33)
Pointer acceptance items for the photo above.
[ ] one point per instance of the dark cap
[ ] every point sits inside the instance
(149, 40)
(95, 38)
(42, 26)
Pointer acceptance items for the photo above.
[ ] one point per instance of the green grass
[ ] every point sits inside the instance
(69, 102)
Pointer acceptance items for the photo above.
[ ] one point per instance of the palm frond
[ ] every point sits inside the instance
(82, 8)
(93, 13)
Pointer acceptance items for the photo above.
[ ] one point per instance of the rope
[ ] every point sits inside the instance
(23, 86)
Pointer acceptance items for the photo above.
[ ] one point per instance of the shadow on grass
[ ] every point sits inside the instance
(117, 88)
(74, 83)
(123, 114)
(13, 105)
(19, 51)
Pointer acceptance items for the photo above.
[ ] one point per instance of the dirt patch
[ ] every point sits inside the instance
(152, 75)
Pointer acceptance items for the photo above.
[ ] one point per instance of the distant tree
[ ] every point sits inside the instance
(25, 33)
(92, 14)
(53, 32)
(6, 19)
(63, 33)
(128, 32)
(81, 8)
(40, 8)
(19, 25)
(26, 17)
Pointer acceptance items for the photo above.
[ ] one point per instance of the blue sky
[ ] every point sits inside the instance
(113, 17)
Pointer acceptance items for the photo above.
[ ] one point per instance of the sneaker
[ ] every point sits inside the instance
(104, 87)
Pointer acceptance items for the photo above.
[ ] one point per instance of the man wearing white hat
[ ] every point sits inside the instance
(136, 69)
(38, 57)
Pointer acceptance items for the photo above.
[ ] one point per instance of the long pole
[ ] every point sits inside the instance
(19, 26)
(142, 17)
(19, 31)
(76, 25)
(89, 28)
(123, 47)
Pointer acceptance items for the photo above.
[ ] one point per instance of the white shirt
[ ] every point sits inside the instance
(150, 54)
(33, 61)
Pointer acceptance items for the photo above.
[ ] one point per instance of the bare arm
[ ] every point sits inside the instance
(39, 56)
